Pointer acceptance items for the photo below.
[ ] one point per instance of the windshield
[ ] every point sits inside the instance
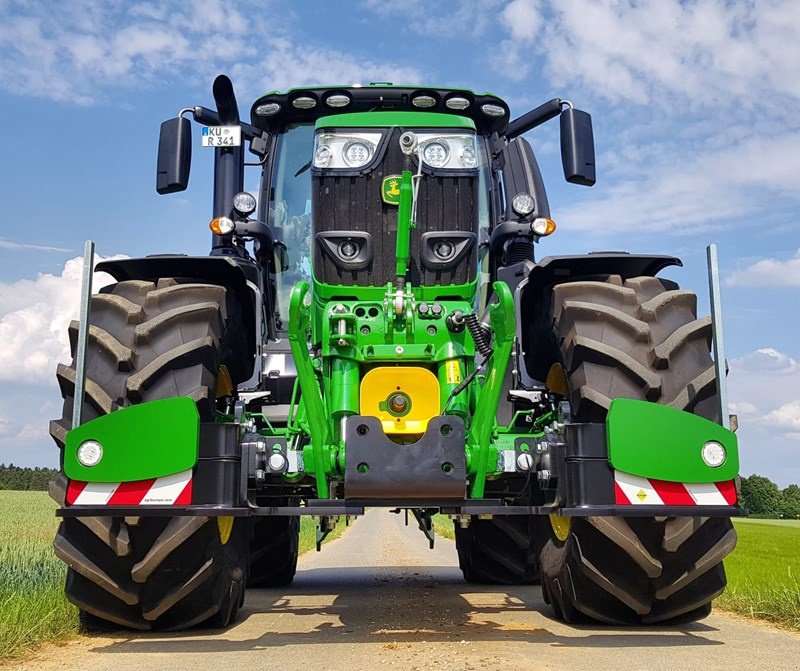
(290, 209)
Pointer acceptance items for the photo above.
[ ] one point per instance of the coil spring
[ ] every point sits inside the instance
(479, 334)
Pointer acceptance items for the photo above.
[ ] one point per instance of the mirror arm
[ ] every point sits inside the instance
(207, 117)
(536, 117)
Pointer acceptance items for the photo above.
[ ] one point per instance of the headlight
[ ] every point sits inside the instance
(448, 151)
(323, 156)
(90, 453)
(457, 103)
(304, 103)
(423, 101)
(468, 158)
(522, 204)
(490, 109)
(268, 109)
(337, 100)
(714, 454)
(358, 152)
(344, 150)
(244, 203)
(436, 153)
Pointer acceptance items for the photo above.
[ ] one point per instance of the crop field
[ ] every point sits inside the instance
(33, 608)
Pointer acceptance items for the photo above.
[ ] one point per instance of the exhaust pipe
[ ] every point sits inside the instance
(228, 163)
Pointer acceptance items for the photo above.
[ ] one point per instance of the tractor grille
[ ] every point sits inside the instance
(353, 203)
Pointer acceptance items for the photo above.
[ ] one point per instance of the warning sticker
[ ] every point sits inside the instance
(452, 372)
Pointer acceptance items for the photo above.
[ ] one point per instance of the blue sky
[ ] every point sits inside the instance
(695, 108)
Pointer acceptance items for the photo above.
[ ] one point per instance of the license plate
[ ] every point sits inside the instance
(222, 136)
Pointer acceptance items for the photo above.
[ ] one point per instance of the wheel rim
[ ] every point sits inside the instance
(561, 526)
(225, 525)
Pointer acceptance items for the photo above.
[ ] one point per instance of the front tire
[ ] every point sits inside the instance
(150, 341)
(639, 339)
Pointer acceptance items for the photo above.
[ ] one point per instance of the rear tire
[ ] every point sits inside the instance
(150, 341)
(499, 551)
(636, 339)
(273, 551)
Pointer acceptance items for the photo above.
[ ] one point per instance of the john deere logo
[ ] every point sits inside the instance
(390, 190)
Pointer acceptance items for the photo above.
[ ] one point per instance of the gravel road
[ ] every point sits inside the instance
(379, 599)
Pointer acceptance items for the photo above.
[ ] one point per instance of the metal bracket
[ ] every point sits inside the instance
(83, 334)
(718, 339)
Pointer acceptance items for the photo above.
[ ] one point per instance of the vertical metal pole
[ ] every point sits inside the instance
(83, 333)
(719, 341)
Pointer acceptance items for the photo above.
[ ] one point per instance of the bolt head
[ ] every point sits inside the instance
(525, 461)
(277, 462)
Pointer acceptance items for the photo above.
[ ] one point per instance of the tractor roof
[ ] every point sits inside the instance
(381, 119)
(307, 105)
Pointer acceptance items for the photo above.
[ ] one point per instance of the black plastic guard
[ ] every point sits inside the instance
(432, 468)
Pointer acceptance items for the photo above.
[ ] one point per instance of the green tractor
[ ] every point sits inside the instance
(374, 329)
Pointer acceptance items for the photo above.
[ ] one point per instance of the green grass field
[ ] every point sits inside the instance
(764, 572)
(33, 608)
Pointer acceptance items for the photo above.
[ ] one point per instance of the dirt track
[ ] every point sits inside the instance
(379, 599)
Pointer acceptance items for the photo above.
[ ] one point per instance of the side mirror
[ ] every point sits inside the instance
(174, 155)
(577, 147)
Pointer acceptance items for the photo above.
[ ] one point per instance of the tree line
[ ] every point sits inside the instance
(764, 498)
(26, 479)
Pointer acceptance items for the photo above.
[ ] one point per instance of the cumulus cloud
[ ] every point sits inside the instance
(289, 64)
(705, 52)
(427, 17)
(75, 51)
(34, 316)
(786, 417)
(768, 272)
(694, 187)
(764, 390)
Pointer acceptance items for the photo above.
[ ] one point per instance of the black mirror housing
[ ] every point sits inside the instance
(577, 147)
(174, 155)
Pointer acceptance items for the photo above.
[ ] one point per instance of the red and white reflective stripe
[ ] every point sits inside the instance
(171, 490)
(631, 490)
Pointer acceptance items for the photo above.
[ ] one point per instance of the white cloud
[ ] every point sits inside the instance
(704, 52)
(288, 63)
(460, 18)
(764, 390)
(522, 18)
(768, 273)
(785, 417)
(10, 244)
(690, 187)
(34, 316)
(74, 51)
